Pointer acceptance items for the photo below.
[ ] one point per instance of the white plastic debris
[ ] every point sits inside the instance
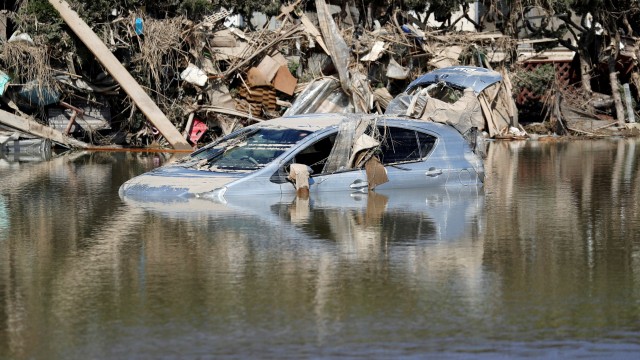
(194, 75)
(20, 36)
(396, 71)
(376, 51)
(516, 132)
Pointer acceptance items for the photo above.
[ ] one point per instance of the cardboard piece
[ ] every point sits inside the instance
(280, 59)
(223, 38)
(284, 81)
(255, 77)
(219, 96)
(268, 67)
(376, 173)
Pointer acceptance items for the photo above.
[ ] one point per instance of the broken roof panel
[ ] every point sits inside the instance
(459, 76)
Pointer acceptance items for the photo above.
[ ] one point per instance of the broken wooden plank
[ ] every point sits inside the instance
(232, 112)
(121, 75)
(488, 115)
(34, 128)
(513, 111)
(338, 48)
(284, 35)
(314, 32)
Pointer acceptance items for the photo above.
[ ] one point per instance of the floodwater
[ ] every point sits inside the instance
(544, 261)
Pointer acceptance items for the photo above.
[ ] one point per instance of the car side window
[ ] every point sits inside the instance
(426, 143)
(316, 154)
(404, 145)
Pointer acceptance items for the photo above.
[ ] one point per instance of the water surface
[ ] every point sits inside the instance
(542, 261)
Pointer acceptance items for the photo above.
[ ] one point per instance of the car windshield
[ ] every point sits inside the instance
(248, 150)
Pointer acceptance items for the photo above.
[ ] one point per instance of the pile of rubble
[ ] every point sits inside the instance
(195, 81)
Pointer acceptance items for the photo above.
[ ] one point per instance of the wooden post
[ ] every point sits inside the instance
(71, 122)
(121, 75)
(75, 113)
(613, 79)
(585, 70)
(627, 95)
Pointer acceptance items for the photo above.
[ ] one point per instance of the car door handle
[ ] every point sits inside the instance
(359, 184)
(433, 172)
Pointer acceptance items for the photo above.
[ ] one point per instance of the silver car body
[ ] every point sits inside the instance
(449, 162)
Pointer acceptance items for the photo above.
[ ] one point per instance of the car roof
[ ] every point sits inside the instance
(309, 122)
(317, 122)
(463, 77)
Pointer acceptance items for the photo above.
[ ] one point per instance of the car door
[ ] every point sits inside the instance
(406, 154)
(315, 154)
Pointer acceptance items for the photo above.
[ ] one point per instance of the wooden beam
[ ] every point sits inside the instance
(34, 128)
(488, 115)
(121, 75)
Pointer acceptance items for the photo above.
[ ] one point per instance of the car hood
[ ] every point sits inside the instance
(459, 76)
(174, 181)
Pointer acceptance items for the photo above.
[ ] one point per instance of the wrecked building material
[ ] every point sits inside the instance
(322, 95)
(210, 67)
(34, 128)
(24, 148)
(283, 35)
(94, 117)
(115, 68)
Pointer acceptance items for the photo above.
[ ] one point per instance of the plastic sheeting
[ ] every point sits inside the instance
(338, 48)
(463, 114)
(341, 153)
(321, 96)
(349, 141)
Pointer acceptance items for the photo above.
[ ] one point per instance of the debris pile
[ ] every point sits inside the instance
(212, 76)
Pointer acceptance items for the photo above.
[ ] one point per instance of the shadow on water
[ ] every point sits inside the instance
(541, 262)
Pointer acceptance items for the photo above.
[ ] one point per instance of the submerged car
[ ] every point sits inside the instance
(336, 152)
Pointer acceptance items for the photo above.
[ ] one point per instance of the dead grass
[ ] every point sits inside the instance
(159, 49)
(28, 63)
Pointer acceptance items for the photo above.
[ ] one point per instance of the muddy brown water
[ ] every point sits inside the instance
(544, 261)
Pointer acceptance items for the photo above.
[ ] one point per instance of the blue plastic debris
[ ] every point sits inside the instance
(138, 26)
(38, 95)
(4, 82)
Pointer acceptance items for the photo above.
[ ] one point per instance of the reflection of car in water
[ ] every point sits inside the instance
(392, 215)
(4, 219)
(342, 152)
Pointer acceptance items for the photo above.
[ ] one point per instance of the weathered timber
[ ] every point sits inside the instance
(283, 35)
(34, 128)
(627, 97)
(121, 75)
(615, 89)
